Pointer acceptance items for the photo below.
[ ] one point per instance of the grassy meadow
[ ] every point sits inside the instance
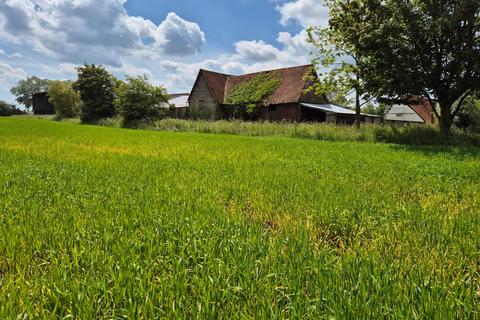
(100, 222)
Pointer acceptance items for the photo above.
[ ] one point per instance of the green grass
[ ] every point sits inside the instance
(101, 222)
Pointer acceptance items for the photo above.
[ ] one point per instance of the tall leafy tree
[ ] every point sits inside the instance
(97, 90)
(25, 89)
(66, 101)
(338, 60)
(407, 48)
(138, 99)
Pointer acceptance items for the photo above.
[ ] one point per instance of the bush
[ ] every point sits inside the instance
(65, 99)
(7, 109)
(423, 135)
(137, 99)
(469, 116)
(97, 91)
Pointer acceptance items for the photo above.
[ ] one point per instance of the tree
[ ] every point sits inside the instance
(407, 48)
(338, 57)
(97, 91)
(378, 109)
(8, 109)
(65, 99)
(26, 88)
(137, 99)
(469, 117)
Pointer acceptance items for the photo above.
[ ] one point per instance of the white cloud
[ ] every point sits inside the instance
(306, 12)
(10, 55)
(9, 75)
(256, 50)
(94, 31)
(175, 36)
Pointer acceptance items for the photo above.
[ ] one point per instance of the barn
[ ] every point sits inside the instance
(419, 110)
(289, 102)
(41, 105)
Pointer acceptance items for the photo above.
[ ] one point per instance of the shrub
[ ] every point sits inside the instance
(138, 99)
(469, 116)
(65, 99)
(97, 91)
(7, 109)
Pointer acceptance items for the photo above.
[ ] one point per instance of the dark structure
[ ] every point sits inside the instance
(41, 105)
(289, 102)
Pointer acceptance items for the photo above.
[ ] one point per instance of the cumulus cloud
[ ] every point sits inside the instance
(256, 50)
(175, 36)
(306, 12)
(91, 30)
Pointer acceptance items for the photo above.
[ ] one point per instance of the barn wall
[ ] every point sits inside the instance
(201, 103)
(281, 112)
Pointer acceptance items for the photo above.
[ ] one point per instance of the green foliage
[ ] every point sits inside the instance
(336, 56)
(137, 99)
(146, 225)
(375, 109)
(469, 117)
(97, 91)
(407, 48)
(64, 98)
(8, 109)
(25, 89)
(245, 99)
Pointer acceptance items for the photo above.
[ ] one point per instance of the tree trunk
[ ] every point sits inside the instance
(357, 109)
(446, 119)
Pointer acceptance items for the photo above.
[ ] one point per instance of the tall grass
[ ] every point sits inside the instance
(409, 134)
(109, 223)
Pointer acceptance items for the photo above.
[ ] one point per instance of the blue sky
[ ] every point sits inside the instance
(169, 40)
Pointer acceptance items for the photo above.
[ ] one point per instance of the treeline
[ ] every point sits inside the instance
(97, 94)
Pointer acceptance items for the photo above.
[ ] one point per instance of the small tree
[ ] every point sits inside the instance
(338, 57)
(65, 99)
(97, 90)
(138, 99)
(8, 109)
(25, 89)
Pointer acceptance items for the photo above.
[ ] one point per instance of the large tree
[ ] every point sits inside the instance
(407, 48)
(25, 89)
(97, 90)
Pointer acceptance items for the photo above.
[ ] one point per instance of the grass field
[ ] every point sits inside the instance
(101, 222)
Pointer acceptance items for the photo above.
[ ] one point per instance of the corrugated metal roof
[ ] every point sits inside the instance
(328, 107)
(179, 101)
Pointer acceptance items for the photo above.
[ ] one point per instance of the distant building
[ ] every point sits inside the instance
(289, 102)
(41, 105)
(180, 103)
(419, 110)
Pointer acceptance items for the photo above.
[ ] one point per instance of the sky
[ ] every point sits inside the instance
(167, 40)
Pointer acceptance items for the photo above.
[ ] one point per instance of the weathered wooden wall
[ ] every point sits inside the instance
(202, 104)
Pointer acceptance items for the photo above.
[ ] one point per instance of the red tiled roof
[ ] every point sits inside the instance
(216, 83)
(290, 90)
(423, 108)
